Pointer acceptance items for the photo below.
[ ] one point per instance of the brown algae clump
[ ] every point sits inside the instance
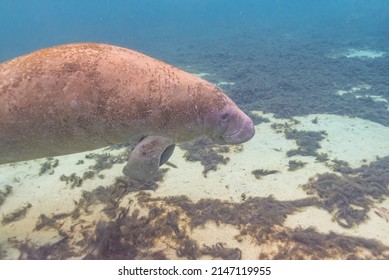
(48, 166)
(204, 150)
(350, 196)
(295, 164)
(16, 215)
(4, 194)
(259, 173)
(308, 143)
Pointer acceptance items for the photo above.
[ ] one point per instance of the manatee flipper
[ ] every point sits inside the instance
(147, 156)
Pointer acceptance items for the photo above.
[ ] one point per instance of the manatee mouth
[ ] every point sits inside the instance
(241, 135)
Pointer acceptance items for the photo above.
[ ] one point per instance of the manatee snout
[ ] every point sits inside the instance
(230, 125)
(240, 129)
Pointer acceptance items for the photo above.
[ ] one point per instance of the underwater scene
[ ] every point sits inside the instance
(107, 153)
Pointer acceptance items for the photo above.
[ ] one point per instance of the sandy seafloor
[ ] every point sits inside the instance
(166, 227)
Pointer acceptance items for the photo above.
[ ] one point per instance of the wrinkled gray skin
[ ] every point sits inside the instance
(80, 97)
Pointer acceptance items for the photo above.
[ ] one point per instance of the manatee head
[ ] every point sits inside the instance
(229, 125)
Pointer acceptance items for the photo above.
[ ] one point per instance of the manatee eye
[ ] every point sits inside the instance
(225, 116)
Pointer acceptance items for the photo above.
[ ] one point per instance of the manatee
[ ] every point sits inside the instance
(79, 97)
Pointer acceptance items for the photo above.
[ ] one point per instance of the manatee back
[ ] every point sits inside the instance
(79, 97)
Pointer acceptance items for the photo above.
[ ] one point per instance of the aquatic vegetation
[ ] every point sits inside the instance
(310, 244)
(204, 150)
(265, 212)
(88, 175)
(340, 166)
(257, 119)
(48, 166)
(16, 215)
(188, 249)
(112, 194)
(106, 161)
(122, 232)
(382, 212)
(129, 235)
(273, 85)
(259, 173)
(295, 164)
(50, 222)
(28, 250)
(349, 197)
(107, 242)
(219, 251)
(281, 127)
(76, 181)
(2, 253)
(45, 222)
(307, 142)
(4, 194)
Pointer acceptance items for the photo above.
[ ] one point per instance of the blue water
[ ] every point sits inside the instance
(145, 24)
(284, 57)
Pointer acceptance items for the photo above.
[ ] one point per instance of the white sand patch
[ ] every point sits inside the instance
(202, 74)
(354, 140)
(355, 53)
(375, 98)
(354, 90)
(267, 150)
(224, 83)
